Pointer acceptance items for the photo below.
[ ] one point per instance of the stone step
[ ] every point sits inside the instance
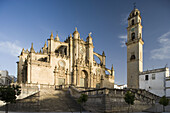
(48, 100)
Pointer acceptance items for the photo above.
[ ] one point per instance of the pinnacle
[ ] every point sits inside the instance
(51, 37)
(57, 38)
(32, 49)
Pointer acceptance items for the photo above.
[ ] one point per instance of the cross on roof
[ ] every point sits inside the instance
(134, 5)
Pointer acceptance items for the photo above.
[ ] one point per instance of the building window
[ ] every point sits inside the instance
(153, 76)
(146, 77)
(133, 22)
(133, 36)
(132, 57)
(136, 13)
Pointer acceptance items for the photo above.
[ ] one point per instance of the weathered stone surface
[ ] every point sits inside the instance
(48, 100)
(65, 63)
(112, 100)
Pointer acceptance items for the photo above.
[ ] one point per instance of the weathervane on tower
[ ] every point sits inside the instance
(134, 5)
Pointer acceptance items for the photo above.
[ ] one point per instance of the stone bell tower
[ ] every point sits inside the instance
(134, 49)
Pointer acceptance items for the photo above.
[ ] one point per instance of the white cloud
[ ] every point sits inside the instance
(164, 51)
(123, 40)
(124, 20)
(11, 48)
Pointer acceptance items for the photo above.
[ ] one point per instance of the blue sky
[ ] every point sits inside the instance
(25, 21)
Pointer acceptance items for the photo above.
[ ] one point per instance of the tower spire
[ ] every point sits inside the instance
(23, 50)
(51, 37)
(103, 54)
(57, 38)
(45, 45)
(112, 67)
(32, 49)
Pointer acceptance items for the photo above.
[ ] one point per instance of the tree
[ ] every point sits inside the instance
(164, 101)
(8, 94)
(129, 99)
(82, 99)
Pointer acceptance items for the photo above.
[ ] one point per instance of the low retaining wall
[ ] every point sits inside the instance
(112, 100)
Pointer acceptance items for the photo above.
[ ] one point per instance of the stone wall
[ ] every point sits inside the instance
(112, 100)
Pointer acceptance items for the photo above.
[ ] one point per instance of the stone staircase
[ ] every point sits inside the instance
(47, 100)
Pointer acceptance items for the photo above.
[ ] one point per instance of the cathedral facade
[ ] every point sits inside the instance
(65, 63)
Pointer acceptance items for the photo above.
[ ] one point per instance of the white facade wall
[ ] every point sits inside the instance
(120, 86)
(5, 79)
(168, 87)
(156, 86)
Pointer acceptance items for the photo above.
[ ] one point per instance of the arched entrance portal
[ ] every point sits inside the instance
(84, 79)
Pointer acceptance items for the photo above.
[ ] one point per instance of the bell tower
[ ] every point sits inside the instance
(134, 49)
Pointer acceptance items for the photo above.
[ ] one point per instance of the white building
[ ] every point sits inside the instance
(116, 86)
(5, 79)
(155, 81)
(168, 86)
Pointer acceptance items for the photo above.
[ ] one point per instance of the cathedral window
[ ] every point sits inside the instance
(132, 57)
(133, 36)
(136, 13)
(146, 77)
(61, 50)
(133, 22)
(65, 51)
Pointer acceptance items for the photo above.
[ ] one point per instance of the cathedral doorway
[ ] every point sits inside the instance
(84, 79)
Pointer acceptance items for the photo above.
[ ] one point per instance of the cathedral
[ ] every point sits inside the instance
(65, 63)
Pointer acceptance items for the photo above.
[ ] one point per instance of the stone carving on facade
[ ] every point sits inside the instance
(62, 63)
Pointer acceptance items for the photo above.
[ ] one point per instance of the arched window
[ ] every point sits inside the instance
(133, 36)
(133, 22)
(136, 13)
(132, 57)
